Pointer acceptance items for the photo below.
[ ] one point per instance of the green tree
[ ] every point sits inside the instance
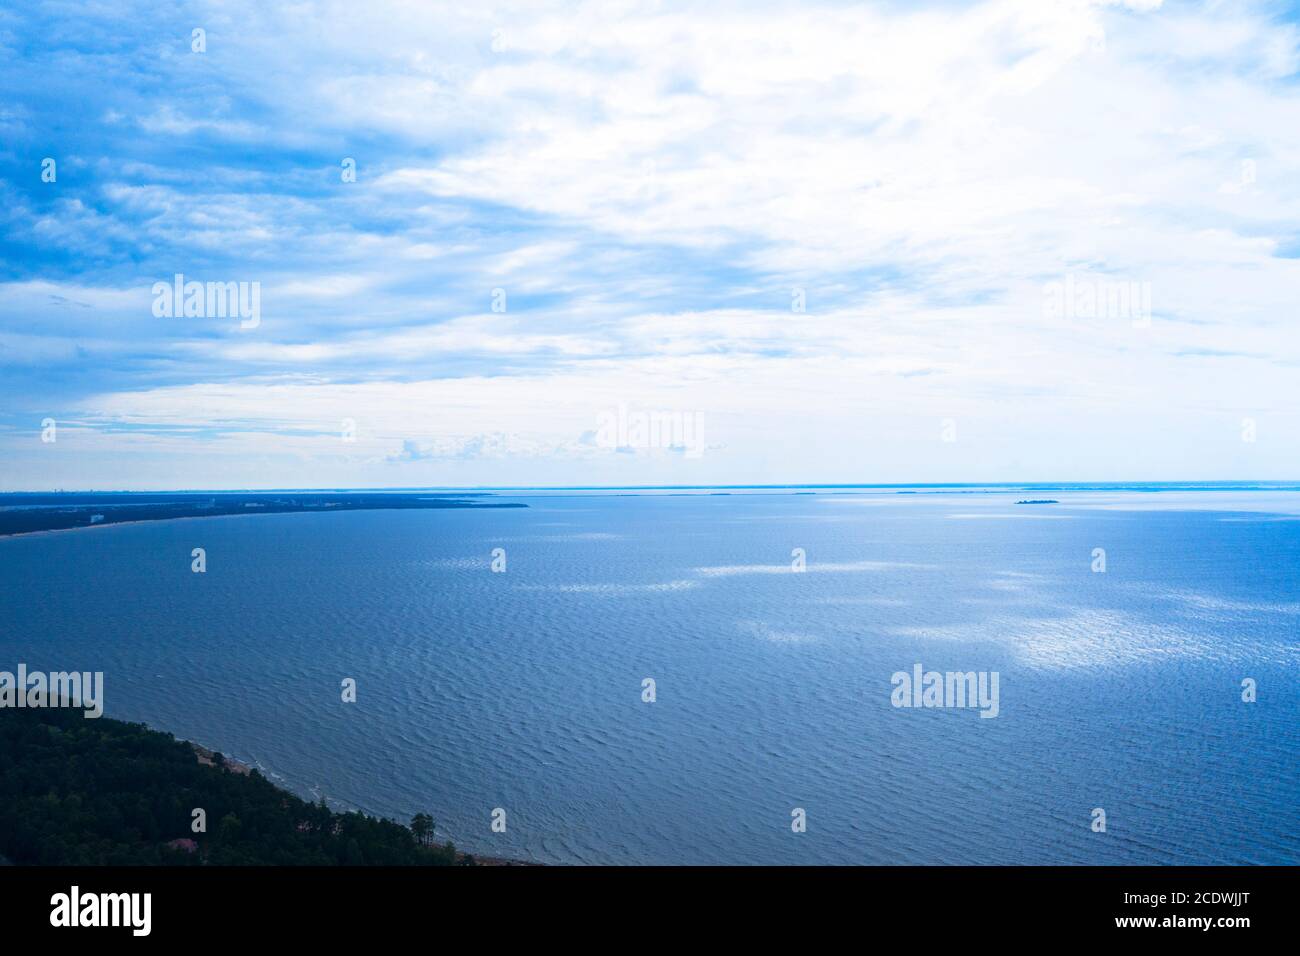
(84, 793)
(228, 829)
(422, 826)
(352, 854)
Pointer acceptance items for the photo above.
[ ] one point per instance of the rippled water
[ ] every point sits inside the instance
(522, 690)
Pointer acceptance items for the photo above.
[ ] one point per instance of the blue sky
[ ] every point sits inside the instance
(653, 187)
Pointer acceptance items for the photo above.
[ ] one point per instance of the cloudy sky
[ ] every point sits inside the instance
(838, 242)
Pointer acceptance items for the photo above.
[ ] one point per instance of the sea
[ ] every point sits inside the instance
(713, 676)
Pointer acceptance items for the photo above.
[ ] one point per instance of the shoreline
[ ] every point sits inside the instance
(206, 757)
(79, 514)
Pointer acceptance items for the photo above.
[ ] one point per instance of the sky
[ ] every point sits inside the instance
(1013, 240)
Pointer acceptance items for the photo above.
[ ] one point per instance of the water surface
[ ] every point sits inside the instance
(522, 690)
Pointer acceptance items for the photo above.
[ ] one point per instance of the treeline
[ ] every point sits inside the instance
(101, 792)
(51, 512)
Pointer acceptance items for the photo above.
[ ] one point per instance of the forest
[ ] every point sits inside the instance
(105, 792)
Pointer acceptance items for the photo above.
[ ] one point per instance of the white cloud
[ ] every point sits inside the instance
(650, 185)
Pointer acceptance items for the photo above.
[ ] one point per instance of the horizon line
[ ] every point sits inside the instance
(1207, 484)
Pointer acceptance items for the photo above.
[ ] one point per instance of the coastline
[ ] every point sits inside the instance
(116, 792)
(206, 756)
(81, 511)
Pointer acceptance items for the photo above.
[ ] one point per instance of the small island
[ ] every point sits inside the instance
(1038, 501)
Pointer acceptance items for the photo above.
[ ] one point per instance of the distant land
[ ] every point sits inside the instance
(25, 513)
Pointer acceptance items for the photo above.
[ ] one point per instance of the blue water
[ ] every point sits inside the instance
(522, 690)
